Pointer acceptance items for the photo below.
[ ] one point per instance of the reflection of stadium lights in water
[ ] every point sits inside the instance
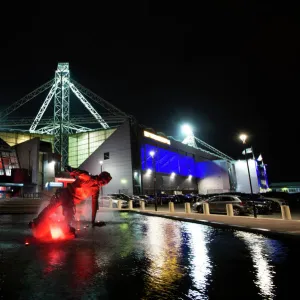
(259, 252)
(163, 253)
(199, 260)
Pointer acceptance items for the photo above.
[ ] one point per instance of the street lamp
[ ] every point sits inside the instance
(152, 154)
(243, 138)
(101, 190)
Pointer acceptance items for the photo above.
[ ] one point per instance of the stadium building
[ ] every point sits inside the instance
(140, 160)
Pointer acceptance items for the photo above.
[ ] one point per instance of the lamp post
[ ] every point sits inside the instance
(101, 190)
(152, 154)
(243, 138)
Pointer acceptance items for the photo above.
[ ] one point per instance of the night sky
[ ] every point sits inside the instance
(222, 67)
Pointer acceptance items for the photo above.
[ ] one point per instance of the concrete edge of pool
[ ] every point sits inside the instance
(266, 226)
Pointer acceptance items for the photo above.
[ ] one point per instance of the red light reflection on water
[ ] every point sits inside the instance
(50, 231)
(54, 260)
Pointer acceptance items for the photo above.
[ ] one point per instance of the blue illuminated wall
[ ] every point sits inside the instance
(210, 175)
(166, 161)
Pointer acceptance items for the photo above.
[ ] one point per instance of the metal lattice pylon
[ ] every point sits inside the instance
(61, 111)
(62, 125)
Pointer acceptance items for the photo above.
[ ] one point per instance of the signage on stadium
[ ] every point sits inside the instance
(156, 137)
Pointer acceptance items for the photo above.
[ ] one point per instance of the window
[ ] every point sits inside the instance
(225, 198)
(214, 199)
(106, 155)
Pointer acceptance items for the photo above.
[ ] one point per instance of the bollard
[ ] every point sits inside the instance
(120, 204)
(110, 204)
(285, 212)
(187, 207)
(206, 208)
(171, 207)
(282, 212)
(229, 210)
(130, 204)
(142, 205)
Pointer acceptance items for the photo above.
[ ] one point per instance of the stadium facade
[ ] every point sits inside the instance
(141, 160)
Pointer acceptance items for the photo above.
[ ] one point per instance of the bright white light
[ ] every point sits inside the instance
(190, 176)
(152, 153)
(173, 174)
(243, 138)
(123, 181)
(157, 137)
(262, 252)
(149, 171)
(101, 162)
(135, 174)
(52, 163)
(200, 262)
(187, 130)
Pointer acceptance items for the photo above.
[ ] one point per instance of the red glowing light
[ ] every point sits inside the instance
(56, 233)
(26, 243)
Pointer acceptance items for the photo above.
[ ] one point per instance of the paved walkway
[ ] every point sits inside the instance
(243, 223)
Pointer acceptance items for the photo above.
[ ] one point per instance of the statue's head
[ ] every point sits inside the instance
(104, 178)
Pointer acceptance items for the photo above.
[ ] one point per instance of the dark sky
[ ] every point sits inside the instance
(222, 67)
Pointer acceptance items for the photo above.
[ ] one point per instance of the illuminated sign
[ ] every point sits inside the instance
(56, 184)
(156, 137)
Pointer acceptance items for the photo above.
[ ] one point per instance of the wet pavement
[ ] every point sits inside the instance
(144, 257)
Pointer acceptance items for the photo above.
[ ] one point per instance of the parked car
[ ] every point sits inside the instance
(121, 196)
(150, 198)
(165, 198)
(183, 198)
(217, 204)
(135, 199)
(262, 206)
(192, 197)
(104, 201)
(146, 198)
(274, 203)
